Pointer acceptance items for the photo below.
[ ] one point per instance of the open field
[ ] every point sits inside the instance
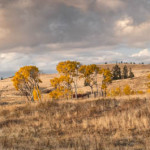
(116, 123)
(137, 83)
(84, 125)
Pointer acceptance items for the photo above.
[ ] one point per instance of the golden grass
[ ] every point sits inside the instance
(89, 124)
(119, 123)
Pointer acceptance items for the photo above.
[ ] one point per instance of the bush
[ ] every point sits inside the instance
(127, 90)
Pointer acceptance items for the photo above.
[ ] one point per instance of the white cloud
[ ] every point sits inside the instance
(132, 34)
(142, 54)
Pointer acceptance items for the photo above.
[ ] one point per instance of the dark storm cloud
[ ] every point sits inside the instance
(91, 22)
(85, 30)
(32, 23)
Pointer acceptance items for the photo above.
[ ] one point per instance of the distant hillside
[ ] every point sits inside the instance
(137, 83)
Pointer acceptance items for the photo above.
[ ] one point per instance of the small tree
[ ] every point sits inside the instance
(26, 80)
(131, 74)
(107, 79)
(125, 72)
(70, 68)
(62, 87)
(89, 73)
(116, 72)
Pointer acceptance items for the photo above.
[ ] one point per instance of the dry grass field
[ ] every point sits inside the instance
(118, 123)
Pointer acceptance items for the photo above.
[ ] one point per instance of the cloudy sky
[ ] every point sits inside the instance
(44, 32)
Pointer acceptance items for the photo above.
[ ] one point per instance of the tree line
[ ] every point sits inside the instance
(125, 73)
(65, 86)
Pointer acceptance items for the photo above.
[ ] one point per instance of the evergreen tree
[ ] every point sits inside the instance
(131, 74)
(116, 71)
(125, 72)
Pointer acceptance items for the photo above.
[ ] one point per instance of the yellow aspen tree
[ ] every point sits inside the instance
(36, 94)
(26, 80)
(70, 68)
(95, 69)
(62, 87)
(89, 73)
(107, 79)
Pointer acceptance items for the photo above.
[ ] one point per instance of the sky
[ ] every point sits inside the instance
(45, 32)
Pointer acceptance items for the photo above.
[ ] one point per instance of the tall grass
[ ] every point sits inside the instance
(88, 125)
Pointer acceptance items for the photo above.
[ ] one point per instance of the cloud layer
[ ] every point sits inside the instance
(93, 31)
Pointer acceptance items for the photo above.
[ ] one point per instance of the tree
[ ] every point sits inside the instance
(116, 72)
(89, 73)
(62, 87)
(107, 79)
(70, 68)
(125, 72)
(27, 80)
(131, 74)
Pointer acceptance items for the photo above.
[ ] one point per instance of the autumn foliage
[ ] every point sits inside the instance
(65, 86)
(89, 73)
(70, 69)
(62, 87)
(26, 80)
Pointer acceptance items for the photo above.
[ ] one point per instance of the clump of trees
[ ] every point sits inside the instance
(27, 80)
(70, 69)
(122, 74)
(89, 73)
(66, 85)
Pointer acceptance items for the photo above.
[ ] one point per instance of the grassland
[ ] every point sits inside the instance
(120, 123)
(84, 125)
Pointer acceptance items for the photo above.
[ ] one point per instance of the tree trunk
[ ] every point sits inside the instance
(75, 87)
(91, 89)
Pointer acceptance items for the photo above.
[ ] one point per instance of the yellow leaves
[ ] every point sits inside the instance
(107, 78)
(88, 70)
(116, 91)
(60, 93)
(36, 94)
(104, 86)
(26, 79)
(62, 87)
(139, 92)
(61, 81)
(148, 76)
(89, 73)
(25, 74)
(56, 94)
(127, 90)
(148, 91)
(68, 67)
